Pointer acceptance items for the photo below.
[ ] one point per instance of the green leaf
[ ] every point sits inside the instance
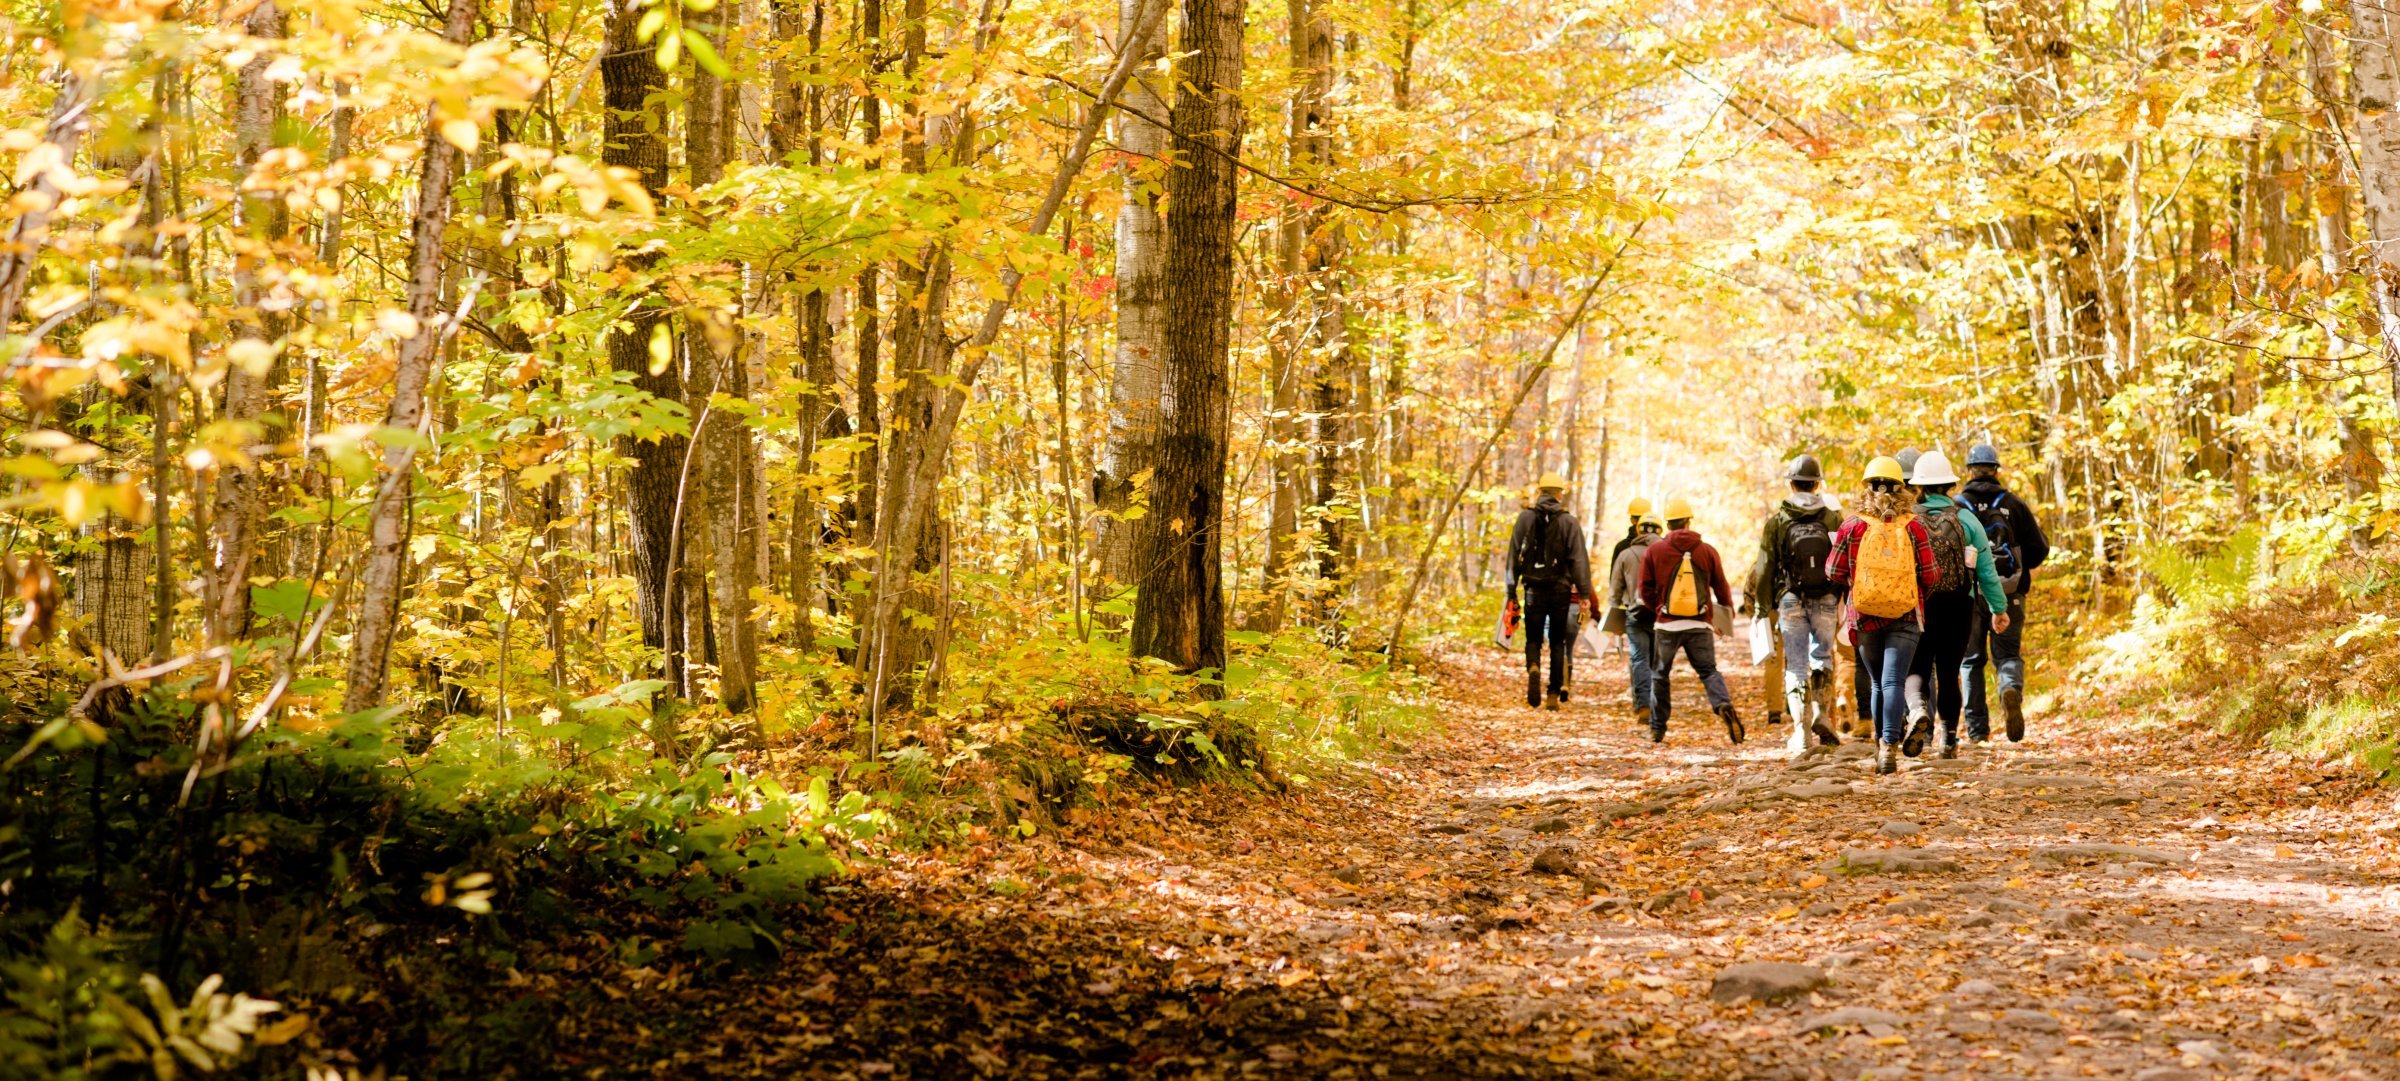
(705, 55)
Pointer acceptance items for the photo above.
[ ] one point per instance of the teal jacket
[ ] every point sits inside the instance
(1981, 556)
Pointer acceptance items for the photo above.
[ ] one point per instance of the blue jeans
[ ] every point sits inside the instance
(1638, 645)
(1888, 653)
(1701, 647)
(1808, 626)
(2005, 652)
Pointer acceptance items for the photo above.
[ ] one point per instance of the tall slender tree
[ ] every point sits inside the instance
(1179, 612)
(413, 376)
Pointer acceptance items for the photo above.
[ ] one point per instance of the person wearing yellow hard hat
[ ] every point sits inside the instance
(1683, 582)
(1547, 558)
(1638, 624)
(1885, 558)
(1634, 513)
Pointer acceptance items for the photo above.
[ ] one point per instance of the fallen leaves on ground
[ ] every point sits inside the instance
(2116, 897)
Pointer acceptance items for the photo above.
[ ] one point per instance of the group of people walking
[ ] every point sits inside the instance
(1922, 584)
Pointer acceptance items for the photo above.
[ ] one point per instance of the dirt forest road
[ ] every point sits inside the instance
(1550, 895)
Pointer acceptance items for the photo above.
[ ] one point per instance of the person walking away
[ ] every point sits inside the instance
(1548, 560)
(1965, 588)
(1625, 595)
(2018, 547)
(1635, 513)
(1885, 559)
(1788, 585)
(1682, 582)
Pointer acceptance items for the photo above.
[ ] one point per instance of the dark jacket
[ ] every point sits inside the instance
(1662, 561)
(1766, 575)
(1566, 536)
(2025, 531)
(1632, 534)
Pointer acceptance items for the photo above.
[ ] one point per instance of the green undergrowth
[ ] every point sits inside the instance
(369, 886)
(375, 890)
(1030, 727)
(2267, 641)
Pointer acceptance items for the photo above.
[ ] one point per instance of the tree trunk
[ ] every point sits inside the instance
(236, 509)
(2375, 75)
(641, 344)
(1179, 614)
(723, 479)
(387, 524)
(1141, 300)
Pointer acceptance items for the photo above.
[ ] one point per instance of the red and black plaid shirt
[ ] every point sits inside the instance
(1845, 560)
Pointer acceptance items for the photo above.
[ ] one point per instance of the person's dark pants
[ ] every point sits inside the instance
(1862, 685)
(1699, 645)
(1885, 655)
(2005, 652)
(1549, 617)
(1933, 676)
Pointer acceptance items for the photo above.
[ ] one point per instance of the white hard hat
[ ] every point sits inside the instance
(1933, 468)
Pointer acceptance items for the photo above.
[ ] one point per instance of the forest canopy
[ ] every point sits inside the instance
(770, 423)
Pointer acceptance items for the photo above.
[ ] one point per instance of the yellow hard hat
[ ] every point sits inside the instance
(1637, 508)
(1678, 509)
(1886, 468)
(1654, 520)
(1551, 482)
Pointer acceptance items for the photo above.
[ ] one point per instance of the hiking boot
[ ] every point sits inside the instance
(1948, 747)
(1887, 757)
(1733, 723)
(1641, 715)
(1658, 732)
(2012, 707)
(1533, 689)
(1824, 734)
(1555, 700)
(1920, 729)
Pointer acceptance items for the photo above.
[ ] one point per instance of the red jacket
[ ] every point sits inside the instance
(1662, 561)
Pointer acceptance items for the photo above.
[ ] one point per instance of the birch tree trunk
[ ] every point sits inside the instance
(2375, 77)
(1179, 613)
(387, 524)
(1141, 298)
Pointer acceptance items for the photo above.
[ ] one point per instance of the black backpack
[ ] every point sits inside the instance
(1543, 558)
(1807, 545)
(1950, 549)
(1999, 528)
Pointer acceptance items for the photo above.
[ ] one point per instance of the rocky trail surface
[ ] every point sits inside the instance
(1551, 895)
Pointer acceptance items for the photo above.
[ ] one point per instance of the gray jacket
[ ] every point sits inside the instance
(1625, 579)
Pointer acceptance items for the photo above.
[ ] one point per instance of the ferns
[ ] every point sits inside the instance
(2221, 577)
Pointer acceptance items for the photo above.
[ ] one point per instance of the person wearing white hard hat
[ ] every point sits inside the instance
(1966, 590)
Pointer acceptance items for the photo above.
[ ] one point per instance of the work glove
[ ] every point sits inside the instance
(1510, 615)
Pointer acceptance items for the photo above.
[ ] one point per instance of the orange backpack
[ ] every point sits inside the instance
(1883, 578)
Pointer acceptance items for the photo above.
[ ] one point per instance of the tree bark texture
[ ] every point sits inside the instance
(235, 507)
(2375, 77)
(1179, 612)
(1133, 387)
(635, 137)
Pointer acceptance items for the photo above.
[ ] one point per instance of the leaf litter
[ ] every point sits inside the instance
(1550, 895)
